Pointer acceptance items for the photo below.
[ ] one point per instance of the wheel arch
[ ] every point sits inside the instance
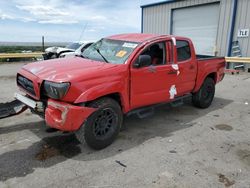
(212, 75)
(115, 96)
(113, 89)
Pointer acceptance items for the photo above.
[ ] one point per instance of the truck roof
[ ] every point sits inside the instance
(134, 37)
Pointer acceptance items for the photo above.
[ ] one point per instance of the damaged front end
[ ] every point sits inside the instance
(58, 114)
(45, 98)
(65, 116)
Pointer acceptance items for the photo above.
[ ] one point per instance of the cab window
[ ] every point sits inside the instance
(157, 53)
(183, 50)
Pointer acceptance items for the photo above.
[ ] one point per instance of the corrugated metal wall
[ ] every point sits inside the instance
(243, 22)
(157, 19)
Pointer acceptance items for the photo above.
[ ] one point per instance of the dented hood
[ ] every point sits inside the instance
(66, 69)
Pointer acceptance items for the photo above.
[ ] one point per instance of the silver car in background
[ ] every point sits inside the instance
(56, 51)
(78, 51)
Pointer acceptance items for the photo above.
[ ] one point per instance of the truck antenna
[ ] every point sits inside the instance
(84, 28)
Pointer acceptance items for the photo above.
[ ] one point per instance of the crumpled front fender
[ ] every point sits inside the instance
(66, 117)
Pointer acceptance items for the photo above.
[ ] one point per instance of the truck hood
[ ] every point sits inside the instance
(67, 69)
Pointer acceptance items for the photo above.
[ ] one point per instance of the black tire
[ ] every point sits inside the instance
(204, 97)
(102, 127)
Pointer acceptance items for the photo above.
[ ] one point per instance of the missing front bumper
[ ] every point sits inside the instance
(36, 105)
(58, 114)
(11, 108)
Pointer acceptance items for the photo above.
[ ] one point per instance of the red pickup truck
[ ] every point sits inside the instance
(117, 75)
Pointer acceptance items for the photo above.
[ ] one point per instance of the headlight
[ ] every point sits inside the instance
(55, 90)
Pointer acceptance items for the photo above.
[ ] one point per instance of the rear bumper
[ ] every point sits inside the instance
(66, 117)
(59, 115)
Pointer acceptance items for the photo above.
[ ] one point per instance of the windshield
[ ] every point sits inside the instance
(73, 46)
(110, 51)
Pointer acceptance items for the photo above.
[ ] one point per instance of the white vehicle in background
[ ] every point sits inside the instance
(78, 51)
(55, 51)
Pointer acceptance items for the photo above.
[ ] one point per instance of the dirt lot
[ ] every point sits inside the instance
(177, 147)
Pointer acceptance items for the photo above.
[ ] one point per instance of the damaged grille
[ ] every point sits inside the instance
(26, 84)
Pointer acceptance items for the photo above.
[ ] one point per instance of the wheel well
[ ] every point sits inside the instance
(114, 96)
(213, 76)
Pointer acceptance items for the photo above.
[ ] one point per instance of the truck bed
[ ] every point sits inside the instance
(207, 57)
(214, 65)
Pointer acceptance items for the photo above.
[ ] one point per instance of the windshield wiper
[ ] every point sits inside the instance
(98, 51)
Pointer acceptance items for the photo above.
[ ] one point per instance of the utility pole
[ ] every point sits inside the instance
(43, 43)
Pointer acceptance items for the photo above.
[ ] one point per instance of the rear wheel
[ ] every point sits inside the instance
(204, 97)
(102, 127)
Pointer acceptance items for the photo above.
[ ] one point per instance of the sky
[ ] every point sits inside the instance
(68, 20)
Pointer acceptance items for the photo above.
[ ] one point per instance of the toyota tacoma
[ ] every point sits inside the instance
(115, 76)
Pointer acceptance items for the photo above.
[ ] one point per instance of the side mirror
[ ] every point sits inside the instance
(143, 61)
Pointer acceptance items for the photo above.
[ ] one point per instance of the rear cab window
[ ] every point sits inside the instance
(183, 50)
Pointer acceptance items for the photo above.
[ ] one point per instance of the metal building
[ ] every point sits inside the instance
(217, 27)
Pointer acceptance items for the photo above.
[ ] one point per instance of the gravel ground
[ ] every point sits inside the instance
(176, 147)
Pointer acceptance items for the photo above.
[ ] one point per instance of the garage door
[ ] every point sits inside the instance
(198, 23)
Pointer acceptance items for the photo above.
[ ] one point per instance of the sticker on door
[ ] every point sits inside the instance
(176, 67)
(172, 91)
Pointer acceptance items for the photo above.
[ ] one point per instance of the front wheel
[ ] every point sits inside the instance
(204, 97)
(102, 127)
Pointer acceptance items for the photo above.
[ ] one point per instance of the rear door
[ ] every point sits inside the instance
(186, 66)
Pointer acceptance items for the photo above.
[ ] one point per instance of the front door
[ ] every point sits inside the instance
(154, 83)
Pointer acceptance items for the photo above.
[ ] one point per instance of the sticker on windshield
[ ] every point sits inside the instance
(121, 53)
(129, 45)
